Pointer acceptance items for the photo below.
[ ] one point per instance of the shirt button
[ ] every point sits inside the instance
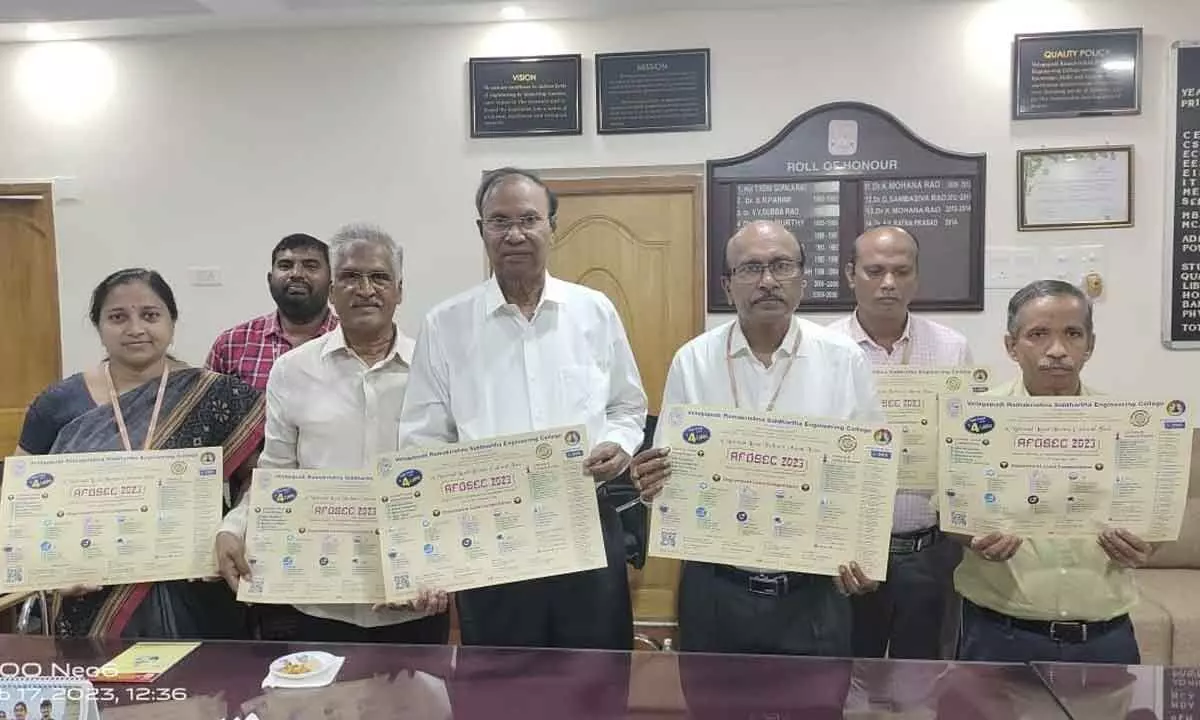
(1062, 613)
(1062, 571)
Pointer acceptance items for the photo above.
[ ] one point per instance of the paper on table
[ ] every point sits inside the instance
(909, 396)
(1064, 466)
(111, 518)
(313, 538)
(775, 491)
(144, 662)
(470, 515)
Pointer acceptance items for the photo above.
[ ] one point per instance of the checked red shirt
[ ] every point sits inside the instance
(248, 351)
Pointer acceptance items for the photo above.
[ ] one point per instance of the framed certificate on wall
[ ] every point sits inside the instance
(1081, 187)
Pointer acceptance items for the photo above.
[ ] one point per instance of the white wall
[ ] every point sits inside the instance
(203, 150)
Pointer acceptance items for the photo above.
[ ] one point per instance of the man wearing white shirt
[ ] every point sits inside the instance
(912, 614)
(334, 403)
(766, 360)
(521, 352)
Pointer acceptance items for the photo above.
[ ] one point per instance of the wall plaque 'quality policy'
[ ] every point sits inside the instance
(1067, 74)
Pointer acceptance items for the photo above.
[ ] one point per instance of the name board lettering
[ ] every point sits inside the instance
(1183, 326)
(838, 170)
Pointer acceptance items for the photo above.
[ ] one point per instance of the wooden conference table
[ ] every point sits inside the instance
(223, 680)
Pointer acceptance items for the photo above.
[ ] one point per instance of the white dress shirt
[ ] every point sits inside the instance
(481, 369)
(829, 377)
(327, 410)
(924, 343)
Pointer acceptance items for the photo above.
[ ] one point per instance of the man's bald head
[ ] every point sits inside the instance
(886, 237)
(758, 233)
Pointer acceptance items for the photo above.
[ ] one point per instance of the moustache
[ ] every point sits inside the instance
(1056, 366)
(768, 297)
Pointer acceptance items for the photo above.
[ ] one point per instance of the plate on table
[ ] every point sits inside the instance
(297, 666)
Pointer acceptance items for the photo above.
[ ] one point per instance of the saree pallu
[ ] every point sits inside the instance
(200, 409)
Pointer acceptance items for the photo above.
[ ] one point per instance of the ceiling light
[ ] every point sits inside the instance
(41, 32)
(513, 12)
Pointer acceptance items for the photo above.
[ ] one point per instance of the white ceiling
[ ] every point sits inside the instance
(70, 19)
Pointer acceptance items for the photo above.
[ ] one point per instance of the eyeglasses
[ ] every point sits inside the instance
(354, 279)
(501, 225)
(780, 270)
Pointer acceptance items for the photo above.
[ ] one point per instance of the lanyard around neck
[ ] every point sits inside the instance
(120, 417)
(737, 403)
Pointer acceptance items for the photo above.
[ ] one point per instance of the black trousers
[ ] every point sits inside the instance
(287, 624)
(581, 610)
(718, 614)
(912, 616)
(989, 637)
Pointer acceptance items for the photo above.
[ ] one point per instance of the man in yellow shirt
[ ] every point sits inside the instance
(1049, 599)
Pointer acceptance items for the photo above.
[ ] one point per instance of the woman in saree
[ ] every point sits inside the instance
(140, 398)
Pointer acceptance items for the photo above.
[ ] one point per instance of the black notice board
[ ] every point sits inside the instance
(1181, 693)
(842, 168)
(666, 91)
(1183, 233)
(514, 96)
(1068, 74)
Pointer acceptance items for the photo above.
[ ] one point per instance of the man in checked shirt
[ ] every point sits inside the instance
(911, 615)
(299, 281)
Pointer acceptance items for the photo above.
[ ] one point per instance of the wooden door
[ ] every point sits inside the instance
(640, 242)
(31, 354)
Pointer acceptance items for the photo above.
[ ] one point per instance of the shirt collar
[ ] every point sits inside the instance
(553, 291)
(739, 346)
(860, 335)
(402, 349)
(1017, 389)
(274, 328)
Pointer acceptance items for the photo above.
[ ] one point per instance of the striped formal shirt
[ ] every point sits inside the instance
(924, 343)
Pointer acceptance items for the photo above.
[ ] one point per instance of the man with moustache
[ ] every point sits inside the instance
(299, 284)
(1049, 599)
(334, 404)
(910, 617)
(521, 352)
(766, 360)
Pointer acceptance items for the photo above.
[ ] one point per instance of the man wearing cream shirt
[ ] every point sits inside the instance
(334, 403)
(1049, 599)
(914, 615)
(766, 360)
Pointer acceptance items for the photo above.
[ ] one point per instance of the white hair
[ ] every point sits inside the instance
(355, 233)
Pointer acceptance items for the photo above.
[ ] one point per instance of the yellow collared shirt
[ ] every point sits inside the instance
(1048, 578)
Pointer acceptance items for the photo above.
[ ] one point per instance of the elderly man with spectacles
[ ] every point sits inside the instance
(766, 360)
(526, 351)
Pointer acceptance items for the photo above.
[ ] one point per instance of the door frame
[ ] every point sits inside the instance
(644, 184)
(46, 192)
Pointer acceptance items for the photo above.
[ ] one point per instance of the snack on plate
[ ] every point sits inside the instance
(299, 665)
